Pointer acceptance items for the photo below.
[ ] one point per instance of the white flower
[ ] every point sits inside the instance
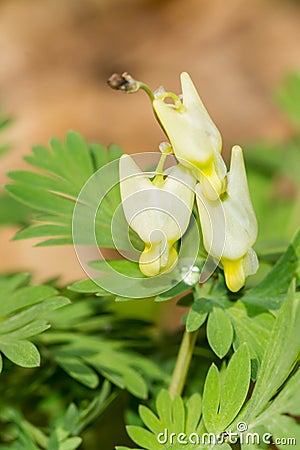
(229, 225)
(195, 139)
(158, 211)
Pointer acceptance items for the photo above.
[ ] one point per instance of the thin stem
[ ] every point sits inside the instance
(161, 163)
(183, 363)
(159, 177)
(146, 89)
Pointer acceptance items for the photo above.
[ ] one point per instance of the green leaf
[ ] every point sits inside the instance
(22, 353)
(164, 408)
(60, 433)
(176, 420)
(235, 386)
(224, 397)
(178, 413)
(71, 443)
(12, 212)
(211, 399)
(135, 383)
(179, 289)
(9, 284)
(79, 371)
(125, 448)
(219, 331)
(26, 296)
(280, 355)
(253, 326)
(194, 411)
(285, 430)
(21, 319)
(128, 268)
(198, 314)
(240, 321)
(32, 329)
(288, 400)
(88, 287)
(150, 419)
(66, 168)
(82, 356)
(143, 438)
(287, 268)
(23, 314)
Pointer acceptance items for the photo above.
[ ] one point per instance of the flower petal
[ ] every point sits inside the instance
(234, 273)
(195, 139)
(197, 110)
(180, 185)
(238, 192)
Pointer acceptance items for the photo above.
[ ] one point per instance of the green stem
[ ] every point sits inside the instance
(161, 163)
(159, 178)
(146, 89)
(183, 363)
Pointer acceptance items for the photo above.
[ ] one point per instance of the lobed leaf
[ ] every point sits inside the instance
(23, 314)
(66, 168)
(223, 397)
(280, 354)
(219, 331)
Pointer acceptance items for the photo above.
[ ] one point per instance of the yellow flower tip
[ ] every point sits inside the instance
(149, 262)
(154, 261)
(213, 185)
(172, 260)
(234, 273)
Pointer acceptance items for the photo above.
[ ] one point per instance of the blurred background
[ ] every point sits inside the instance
(56, 56)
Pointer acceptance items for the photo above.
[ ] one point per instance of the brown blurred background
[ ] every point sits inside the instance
(56, 55)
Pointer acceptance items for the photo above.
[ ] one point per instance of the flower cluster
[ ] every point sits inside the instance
(159, 208)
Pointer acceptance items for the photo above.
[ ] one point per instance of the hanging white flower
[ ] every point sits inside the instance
(195, 139)
(229, 225)
(158, 211)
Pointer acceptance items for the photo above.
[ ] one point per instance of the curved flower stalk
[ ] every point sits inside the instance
(158, 211)
(229, 225)
(195, 139)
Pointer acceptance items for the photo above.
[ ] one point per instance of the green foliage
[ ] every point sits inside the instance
(12, 212)
(280, 355)
(23, 315)
(224, 394)
(66, 168)
(83, 356)
(250, 318)
(268, 292)
(224, 405)
(174, 416)
(76, 344)
(62, 434)
(192, 421)
(219, 331)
